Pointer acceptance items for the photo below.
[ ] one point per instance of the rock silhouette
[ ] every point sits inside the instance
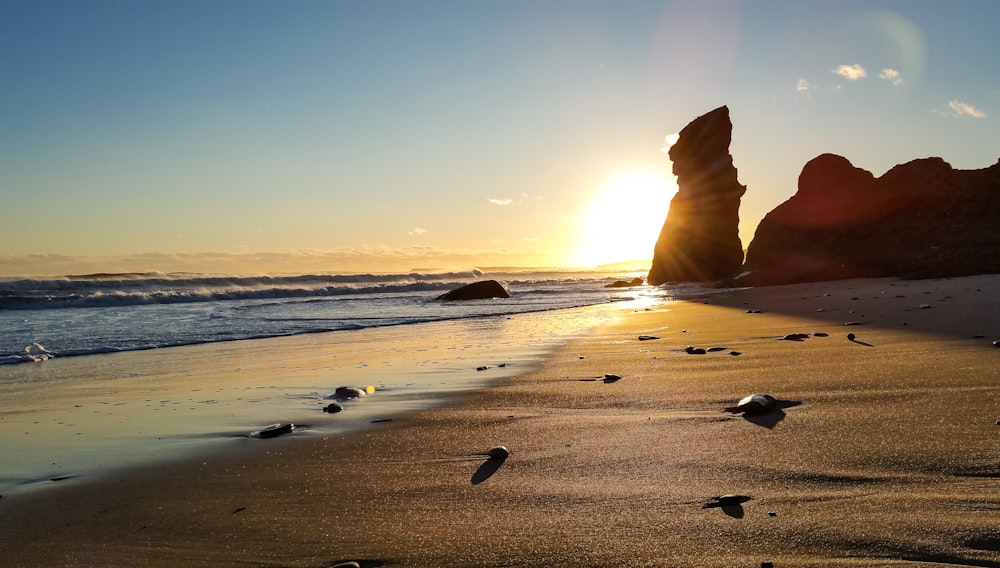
(921, 219)
(700, 237)
(477, 291)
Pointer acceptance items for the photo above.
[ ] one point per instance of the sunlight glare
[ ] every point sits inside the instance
(622, 222)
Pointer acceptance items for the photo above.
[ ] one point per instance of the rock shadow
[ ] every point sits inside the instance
(487, 470)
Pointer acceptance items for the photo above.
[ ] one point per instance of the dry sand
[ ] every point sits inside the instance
(887, 454)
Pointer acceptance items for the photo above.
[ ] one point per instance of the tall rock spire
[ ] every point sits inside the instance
(700, 238)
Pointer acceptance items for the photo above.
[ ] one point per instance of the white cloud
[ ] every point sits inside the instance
(417, 231)
(892, 76)
(959, 108)
(669, 141)
(804, 88)
(500, 202)
(851, 72)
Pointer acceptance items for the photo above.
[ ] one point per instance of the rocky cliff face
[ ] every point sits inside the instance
(700, 237)
(922, 219)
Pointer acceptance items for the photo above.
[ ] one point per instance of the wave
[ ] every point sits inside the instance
(132, 289)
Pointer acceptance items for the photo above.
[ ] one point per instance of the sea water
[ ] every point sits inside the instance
(107, 370)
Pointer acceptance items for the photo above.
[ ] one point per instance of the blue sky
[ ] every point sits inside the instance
(244, 135)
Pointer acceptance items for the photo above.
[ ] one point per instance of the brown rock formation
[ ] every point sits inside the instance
(700, 237)
(922, 219)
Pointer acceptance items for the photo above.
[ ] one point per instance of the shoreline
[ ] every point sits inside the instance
(868, 468)
(81, 417)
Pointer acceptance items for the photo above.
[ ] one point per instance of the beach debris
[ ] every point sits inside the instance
(996, 343)
(647, 337)
(332, 408)
(275, 430)
(820, 334)
(726, 501)
(851, 336)
(350, 564)
(611, 378)
(692, 350)
(758, 403)
(715, 349)
(767, 565)
(498, 453)
(850, 323)
(753, 311)
(482, 368)
(482, 290)
(924, 307)
(380, 420)
(36, 352)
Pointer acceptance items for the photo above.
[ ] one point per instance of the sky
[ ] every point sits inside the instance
(384, 136)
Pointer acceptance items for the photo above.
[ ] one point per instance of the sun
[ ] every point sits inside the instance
(623, 221)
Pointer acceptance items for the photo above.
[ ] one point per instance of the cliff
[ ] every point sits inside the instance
(921, 219)
(700, 237)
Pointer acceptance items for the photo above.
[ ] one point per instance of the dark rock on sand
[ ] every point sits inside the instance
(921, 219)
(700, 237)
(482, 290)
(626, 283)
(647, 337)
(796, 337)
(612, 378)
(692, 350)
(332, 408)
(498, 453)
(275, 430)
(347, 393)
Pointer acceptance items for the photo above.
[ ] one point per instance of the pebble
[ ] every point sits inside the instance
(332, 408)
(850, 337)
(647, 337)
(275, 430)
(735, 353)
(821, 334)
(498, 453)
(996, 343)
(611, 378)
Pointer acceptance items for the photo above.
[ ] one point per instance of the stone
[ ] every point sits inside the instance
(347, 393)
(498, 453)
(850, 337)
(922, 219)
(626, 283)
(647, 337)
(482, 290)
(726, 501)
(700, 239)
(275, 430)
(333, 408)
(759, 403)
(612, 378)
(692, 350)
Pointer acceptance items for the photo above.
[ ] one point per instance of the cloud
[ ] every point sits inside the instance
(892, 76)
(417, 231)
(959, 108)
(669, 141)
(804, 88)
(851, 72)
(501, 202)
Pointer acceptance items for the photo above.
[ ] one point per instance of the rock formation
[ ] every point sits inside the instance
(477, 291)
(921, 219)
(700, 237)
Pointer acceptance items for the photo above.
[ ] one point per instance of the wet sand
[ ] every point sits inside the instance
(885, 452)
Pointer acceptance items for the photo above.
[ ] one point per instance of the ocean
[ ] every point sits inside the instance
(108, 313)
(106, 371)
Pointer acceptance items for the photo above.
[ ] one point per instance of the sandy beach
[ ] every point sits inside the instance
(885, 451)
